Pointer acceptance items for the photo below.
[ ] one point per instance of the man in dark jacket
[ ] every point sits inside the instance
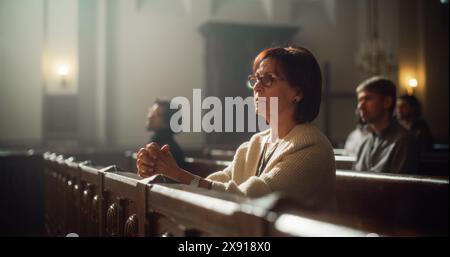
(158, 121)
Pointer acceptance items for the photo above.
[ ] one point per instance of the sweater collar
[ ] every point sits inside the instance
(286, 142)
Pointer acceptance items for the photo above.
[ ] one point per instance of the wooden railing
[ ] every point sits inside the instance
(407, 204)
(91, 200)
(392, 203)
(96, 201)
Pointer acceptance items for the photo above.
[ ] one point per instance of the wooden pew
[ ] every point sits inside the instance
(367, 203)
(204, 167)
(125, 204)
(209, 213)
(288, 224)
(92, 206)
(54, 184)
(413, 204)
(434, 163)
(416, 202)
(129, 202)
(62, 195)
(220, 154)
(344, 162)
(102, 157)
(72, 195)
(87, 200)
(291, 220)
(182, 210)
(50, 189)
(136, 208)
(21, 193)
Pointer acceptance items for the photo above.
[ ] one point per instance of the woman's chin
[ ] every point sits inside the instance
(259, 112)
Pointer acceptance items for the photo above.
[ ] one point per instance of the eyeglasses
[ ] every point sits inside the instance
(266, 80)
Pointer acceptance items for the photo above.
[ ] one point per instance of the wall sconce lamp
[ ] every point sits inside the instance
(412, 84)
(63, 72)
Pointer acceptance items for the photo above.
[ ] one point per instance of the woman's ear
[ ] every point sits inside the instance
(298, 97)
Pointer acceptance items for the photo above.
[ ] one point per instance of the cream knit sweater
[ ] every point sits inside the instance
(302, 166)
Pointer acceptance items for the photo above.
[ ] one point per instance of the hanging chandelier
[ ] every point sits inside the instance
(374, 57)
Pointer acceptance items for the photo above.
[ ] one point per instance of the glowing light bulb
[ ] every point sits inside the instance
(63, 70)
(412, 82)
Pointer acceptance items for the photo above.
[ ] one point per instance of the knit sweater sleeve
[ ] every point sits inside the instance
(221, 176)
(226, 174)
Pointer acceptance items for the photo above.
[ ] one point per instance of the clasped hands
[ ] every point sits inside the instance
(154, 159)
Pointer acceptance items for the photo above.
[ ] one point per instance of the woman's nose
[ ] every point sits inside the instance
(258, 86)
